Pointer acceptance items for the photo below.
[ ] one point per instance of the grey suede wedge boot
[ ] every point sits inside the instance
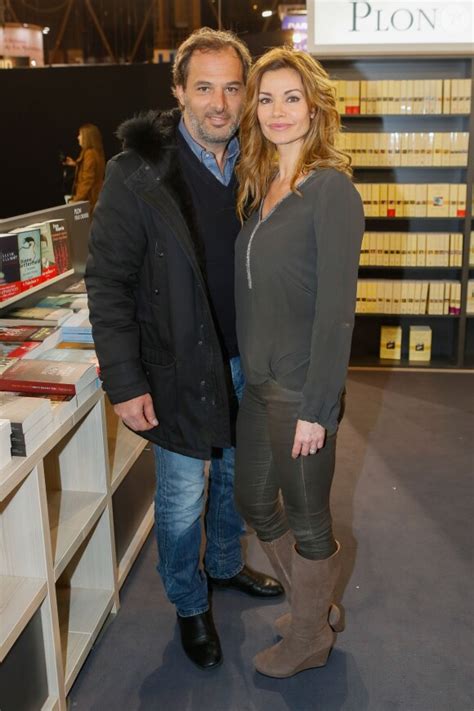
(310, 638)
(280, 552)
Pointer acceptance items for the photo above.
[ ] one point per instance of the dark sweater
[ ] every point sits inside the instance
(296, 278)
(218, 225)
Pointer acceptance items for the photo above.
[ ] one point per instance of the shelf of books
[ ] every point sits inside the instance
(408, 126)
(76, 489)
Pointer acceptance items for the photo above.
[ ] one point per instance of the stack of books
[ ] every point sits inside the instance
(36, 316)
(21, 341)
(5, 446)
(57, 380)
(75, 302)
(31, 420)
(78, 329)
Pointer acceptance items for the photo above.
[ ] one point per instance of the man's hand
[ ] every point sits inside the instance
(309, 437)
(137, 413)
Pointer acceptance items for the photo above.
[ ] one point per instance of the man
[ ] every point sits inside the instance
(160, 284)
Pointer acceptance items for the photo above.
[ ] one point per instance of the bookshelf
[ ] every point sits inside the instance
(383, 136)
(73, 518)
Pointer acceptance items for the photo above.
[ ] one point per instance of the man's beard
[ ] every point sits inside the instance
(216, 137)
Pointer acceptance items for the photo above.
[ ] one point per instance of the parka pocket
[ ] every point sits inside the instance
(160, 370)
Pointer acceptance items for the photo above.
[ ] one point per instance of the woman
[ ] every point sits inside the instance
(90, 166)
(296, 274)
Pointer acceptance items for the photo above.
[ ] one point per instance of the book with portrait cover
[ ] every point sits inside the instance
(29, 251)
(49, 268)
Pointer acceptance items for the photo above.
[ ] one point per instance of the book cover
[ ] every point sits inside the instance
(29, 251)
(48, 260)
(61, 246)
(438, 200)
(10, 278)
(391, 342)
(36, 316)
(47, 377)
(17, 350)
(73, 355)
(16, 334)
(419, 348)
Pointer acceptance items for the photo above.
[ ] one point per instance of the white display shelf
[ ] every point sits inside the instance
(34, 289)
(20, 598)
(72, 515)
(82, 612)
(130, 555)
(20, 467)
(124, 449)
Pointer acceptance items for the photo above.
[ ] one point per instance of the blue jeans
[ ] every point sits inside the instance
(179, 504)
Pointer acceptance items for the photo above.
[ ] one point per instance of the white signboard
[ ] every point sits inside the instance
(22, 41)
(397, 27)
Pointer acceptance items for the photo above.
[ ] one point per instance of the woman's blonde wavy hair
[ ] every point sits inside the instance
(258, 158)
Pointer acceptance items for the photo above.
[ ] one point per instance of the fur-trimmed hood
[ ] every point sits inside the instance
(149, 133)
(152, 136)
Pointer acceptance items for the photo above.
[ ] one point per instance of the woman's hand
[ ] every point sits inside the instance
(69, 161)
(309, 437)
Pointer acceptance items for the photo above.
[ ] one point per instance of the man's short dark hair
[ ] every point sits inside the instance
(207, 40)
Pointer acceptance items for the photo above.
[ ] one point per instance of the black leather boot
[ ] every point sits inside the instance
(200, 641)
(251, 582)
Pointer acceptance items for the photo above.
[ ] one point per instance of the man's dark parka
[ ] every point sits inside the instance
(149, 306)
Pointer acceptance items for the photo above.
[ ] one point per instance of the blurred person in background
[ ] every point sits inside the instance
(89, 165)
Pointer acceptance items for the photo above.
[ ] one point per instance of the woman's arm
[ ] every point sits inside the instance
(87, 176)
(339, 227)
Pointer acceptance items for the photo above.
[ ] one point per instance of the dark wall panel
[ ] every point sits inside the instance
(42, 109)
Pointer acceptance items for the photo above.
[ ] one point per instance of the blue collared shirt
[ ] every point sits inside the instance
(208, 159)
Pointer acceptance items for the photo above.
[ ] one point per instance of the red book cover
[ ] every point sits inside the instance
(16, 334)
(61, 245)
(45, 376)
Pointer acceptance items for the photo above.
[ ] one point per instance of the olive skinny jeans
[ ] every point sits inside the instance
(264, 468)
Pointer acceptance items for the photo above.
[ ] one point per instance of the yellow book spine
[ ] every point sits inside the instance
(421, 249)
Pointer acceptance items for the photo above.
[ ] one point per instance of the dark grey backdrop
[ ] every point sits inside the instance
(42, 109)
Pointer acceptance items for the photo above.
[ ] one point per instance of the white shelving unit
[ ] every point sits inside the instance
(60, 574)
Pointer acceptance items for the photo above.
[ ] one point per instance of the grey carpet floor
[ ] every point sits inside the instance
(402, 507)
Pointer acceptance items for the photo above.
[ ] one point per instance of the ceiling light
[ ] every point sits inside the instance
(267, 13)
(46, 30)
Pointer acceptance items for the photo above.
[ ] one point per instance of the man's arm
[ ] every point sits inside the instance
(117, 249)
